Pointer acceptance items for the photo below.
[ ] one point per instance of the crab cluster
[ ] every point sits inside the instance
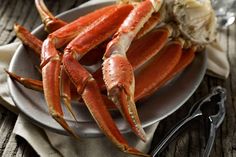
(143, 43)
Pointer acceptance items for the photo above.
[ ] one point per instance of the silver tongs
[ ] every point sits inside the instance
(218, 94)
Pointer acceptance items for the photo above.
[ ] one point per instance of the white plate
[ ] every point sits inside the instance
(160, 105)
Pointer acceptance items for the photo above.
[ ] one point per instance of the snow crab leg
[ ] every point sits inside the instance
(118, 72)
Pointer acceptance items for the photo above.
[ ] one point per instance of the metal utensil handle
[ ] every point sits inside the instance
(170, 136)
(210, 141)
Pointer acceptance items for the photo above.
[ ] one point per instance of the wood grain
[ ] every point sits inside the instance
(190, 143)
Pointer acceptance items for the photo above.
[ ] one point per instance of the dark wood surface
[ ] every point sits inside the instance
(190, 143)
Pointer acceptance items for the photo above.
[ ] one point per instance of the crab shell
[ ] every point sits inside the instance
(195, 19)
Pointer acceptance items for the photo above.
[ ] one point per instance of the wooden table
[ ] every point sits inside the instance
(190, 143)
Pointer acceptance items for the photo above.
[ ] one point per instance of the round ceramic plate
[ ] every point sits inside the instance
(160, 105)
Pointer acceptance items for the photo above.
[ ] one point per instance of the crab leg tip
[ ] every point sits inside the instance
(134, 151)
(129, 111)
(27, 82)
(63, 123)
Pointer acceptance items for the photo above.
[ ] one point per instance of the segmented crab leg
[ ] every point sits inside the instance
(27, 82)
(50, 22)
(138, 54)
(186, 58)
(168, 58)
(65, 89)
(28, 39)
(37, 85)
(117, 71)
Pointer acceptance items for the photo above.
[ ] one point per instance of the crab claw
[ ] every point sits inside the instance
(120, 86)
(118, 72)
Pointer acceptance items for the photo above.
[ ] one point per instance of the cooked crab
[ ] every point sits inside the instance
(154, 39)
